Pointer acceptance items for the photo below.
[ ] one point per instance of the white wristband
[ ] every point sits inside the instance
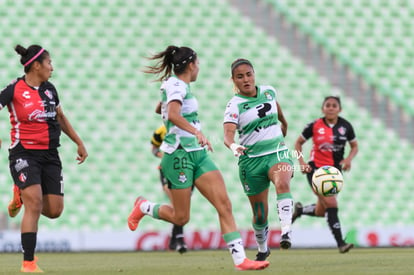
(234, 147)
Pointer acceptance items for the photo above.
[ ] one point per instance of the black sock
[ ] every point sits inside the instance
(178, 231)
(334, 225)
(309, 210)
(28, 245)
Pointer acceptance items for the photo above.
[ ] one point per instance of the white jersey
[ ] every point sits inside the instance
(176, 89)
(257, 122)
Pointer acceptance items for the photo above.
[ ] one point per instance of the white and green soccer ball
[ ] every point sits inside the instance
(327, 181)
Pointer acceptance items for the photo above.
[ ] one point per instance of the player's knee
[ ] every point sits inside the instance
(33, 206)
(181, 221)
(282, 186)
(53, 213)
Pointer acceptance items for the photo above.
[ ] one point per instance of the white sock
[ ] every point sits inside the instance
(235, 245)
(261, 238)
(237, 251)
(285, 210)
(147, 208)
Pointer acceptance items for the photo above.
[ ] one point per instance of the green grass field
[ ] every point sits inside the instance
(294, 261)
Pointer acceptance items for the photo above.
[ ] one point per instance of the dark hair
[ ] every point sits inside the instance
(29, 53)
(172, 59)
(337, 98)
(236, 63)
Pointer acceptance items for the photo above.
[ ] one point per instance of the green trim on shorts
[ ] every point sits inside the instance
(284, 196)
(229, 237)
(253, 172)
(182, 168)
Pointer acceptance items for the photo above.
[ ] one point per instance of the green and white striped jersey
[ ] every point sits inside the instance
(257, 123)
(176, 89)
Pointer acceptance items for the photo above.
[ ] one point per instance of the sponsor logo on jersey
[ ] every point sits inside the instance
(26, 94)
(41, 116)
(326, 147)
(27, 104)
(20, 164)
(233, 115)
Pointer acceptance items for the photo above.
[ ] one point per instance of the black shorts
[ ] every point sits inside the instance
(29, 167)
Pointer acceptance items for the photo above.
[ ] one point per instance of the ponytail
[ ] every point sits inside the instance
(30, 55)
(172, 60)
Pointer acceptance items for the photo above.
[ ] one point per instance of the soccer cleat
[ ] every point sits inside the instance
(31, 266)
(136, 214)
(181, 247)
(248, 264)
(285, 242)
(297, 212)
(261, 256)
(345, 247)
(16, 202)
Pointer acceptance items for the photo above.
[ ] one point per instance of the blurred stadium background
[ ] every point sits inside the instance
(360, 50)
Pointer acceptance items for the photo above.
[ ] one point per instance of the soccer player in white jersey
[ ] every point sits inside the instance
(263, 156)
(185, 161)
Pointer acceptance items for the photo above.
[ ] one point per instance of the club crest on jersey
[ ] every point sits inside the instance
(268, 95)
(342, 130)
(22, 177)
(182, 177)
(49, 94)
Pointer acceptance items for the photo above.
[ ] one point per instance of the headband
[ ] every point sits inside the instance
(34, 57)
(185, 59)
(239, 62)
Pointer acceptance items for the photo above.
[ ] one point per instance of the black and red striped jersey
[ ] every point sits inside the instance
(32, 114)
(328, 141)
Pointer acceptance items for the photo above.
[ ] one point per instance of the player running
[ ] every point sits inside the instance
(329, 136)
(257, 116)
(186, 161)
(37, 119)
(177, 235)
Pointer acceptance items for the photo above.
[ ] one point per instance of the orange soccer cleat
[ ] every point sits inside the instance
(136, 214)
(31, 267)
(248, 264)
(16, 202)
